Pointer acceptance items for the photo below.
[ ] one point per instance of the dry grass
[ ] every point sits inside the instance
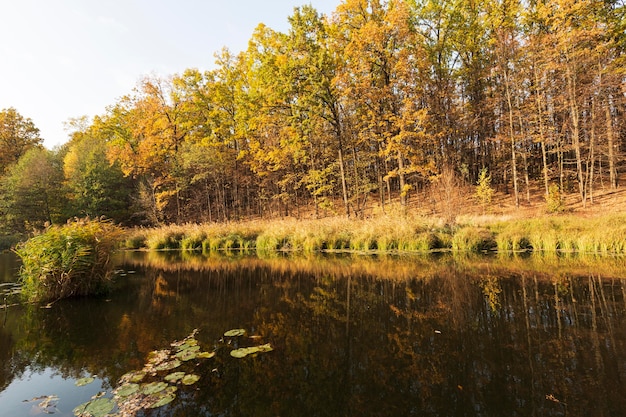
(452, 221)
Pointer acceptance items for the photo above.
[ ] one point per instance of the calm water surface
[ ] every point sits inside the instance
(352, 336)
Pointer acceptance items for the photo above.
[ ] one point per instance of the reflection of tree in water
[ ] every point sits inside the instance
(448, 338)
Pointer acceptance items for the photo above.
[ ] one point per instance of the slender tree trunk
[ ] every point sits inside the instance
(401, 176)
(592, 157)
(610, 136)
(511, 137)
(342, 172)
(575, 119)
(542, 138)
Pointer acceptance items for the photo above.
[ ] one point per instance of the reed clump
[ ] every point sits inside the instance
(68, 260)
(602, 235)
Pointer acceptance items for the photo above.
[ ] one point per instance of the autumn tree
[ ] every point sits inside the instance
(17, 135)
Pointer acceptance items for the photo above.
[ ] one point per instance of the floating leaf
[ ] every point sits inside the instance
(190, 379)
(186, 345)
(153, 388)
(48, 404)
(84, 381)
(158, 356)
(235, 333)
(206, 355)
(162, 399)
(135, 376)
(265, 348)
(243, 352)
(168, 366)
(95, 408)
(186, 355)
(127, 390)
(174, 377)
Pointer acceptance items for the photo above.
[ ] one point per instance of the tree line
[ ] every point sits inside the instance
(371, 104)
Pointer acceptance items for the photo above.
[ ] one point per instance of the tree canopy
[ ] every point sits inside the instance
(376, 102)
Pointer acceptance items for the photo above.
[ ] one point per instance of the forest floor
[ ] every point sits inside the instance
(461, 204)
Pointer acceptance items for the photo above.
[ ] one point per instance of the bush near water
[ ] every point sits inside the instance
(68, 260)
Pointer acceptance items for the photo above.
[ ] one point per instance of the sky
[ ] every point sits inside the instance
(63, 59)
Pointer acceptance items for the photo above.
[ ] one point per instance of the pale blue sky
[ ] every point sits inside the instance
(68, 58)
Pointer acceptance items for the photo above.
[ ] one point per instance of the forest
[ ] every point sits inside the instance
(372, 105)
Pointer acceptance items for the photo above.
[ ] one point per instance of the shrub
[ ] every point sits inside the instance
(554, 199)
(68, 260)
(484, 192)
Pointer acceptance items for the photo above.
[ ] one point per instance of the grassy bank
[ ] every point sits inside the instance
(604, 235)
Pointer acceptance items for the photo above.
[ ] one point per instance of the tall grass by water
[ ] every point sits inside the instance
(568, 233)
(68, 260)
(606, 235)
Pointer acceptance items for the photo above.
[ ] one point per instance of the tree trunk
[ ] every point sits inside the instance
(512, 138)
(575, 119)
(610, 136)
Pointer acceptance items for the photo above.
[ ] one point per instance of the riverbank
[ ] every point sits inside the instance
(602, 234)
(436, 220)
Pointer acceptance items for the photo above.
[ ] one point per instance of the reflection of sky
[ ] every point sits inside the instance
(15, 399)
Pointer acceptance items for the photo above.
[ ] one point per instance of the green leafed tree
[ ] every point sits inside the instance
(95, 186)
(31, 193)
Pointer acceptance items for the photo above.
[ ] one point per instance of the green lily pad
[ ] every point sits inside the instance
(162, 399)
(127, 390)
(186, 355)
(153, 388)
(186, 345)
(243, 352)
(96, 408)
(84, 381)
(190, 379)
(168, 366)
(206, 355)
(235, 333)
(174, 377)
(134, 376)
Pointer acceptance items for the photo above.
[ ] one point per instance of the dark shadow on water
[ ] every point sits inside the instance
(353, 334)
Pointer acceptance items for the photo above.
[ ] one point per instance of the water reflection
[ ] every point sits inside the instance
(353, 335)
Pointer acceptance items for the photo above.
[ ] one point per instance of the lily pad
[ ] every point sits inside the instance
(243, 352)
(186, 345)
(174, 377)
(134, 376)
(95, 408)
(187, 355)
(190, 379)
(84, 381)
(265, 348)
(168, 366)
(162, 399)
(127, 390)
(153, 388)
(206, 355)
(235, 332)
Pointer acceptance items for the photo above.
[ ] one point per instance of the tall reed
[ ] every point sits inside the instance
(68, 260)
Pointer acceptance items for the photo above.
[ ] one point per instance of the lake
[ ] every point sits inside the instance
(350, 335)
